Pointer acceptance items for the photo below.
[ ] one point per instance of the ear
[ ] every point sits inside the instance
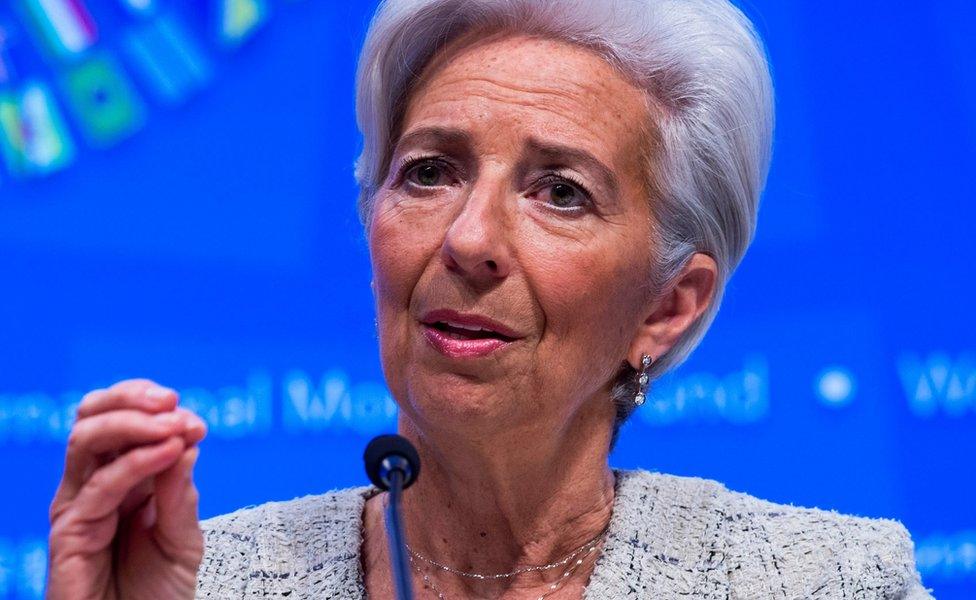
(669, 315)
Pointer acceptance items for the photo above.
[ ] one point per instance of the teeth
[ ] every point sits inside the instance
(466, 327)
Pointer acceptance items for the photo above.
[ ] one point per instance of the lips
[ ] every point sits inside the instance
(461, 335)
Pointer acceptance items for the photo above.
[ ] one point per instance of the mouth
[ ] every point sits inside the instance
(458, 332)
(459, 335)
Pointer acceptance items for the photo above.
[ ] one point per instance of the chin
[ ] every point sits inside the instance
(457, 402)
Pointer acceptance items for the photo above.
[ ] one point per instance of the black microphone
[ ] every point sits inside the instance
(392, 464)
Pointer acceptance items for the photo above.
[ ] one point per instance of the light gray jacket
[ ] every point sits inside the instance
(669, 537)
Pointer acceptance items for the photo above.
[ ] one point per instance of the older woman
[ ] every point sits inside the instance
(555, 194)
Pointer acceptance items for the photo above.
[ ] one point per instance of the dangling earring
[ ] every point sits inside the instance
(642, 380)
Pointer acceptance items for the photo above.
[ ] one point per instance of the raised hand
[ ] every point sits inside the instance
(124, 519)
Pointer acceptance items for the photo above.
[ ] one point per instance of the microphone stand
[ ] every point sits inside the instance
(392, 464)
(394, 534)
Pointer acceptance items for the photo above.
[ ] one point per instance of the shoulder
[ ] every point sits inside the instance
(273, 547)
(765, 549)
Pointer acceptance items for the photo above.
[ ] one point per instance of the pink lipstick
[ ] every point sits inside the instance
(459, 335)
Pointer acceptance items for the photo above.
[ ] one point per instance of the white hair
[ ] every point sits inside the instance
(703, 67)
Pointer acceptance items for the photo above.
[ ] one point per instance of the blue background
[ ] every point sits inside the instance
(218, 251)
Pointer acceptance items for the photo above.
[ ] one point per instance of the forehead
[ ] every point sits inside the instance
(538, 87)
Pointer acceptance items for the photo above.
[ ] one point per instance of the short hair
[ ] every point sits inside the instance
(704, 69)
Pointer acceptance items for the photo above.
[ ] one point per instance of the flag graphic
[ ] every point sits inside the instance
(33, 136)
(239, 19)
(168, 59)
(104, 103)
(65, 27)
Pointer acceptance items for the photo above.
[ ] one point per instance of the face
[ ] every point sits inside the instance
(510, 239)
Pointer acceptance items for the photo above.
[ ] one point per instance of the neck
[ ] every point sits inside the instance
(498, 505)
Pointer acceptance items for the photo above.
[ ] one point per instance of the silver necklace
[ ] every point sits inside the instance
(589, 543)
(586, 550)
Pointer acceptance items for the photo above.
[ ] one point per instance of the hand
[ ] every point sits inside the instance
(124, 519)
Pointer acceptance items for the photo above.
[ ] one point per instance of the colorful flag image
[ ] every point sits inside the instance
(239, 19)
(65, 27)
(33, 135)
(103, 101)
(168, 59)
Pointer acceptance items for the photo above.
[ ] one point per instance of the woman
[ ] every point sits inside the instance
(555, 194)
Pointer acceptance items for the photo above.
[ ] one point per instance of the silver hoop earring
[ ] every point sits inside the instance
(642, 380)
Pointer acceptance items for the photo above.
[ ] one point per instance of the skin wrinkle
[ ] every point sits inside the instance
(561, 110)
(432, 140)
(651, 142)
(514, 444)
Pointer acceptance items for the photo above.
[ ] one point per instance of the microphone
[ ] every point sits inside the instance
(392, 464)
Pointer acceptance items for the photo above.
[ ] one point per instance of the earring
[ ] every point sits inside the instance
(642, 380)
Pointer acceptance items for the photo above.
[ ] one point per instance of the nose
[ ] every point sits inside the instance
(476, 244)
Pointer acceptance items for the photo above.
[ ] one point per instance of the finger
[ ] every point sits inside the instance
(138, 394)
(140, 496)
(113, 431)
(119, 429)
(195, 429)
(109, 485)
(146, 515)
(136, 497)
(175, 508)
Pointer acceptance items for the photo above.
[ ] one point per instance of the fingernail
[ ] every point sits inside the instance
(168, 418)
(158, 392)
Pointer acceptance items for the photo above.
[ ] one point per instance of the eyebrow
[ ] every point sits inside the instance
(435, 136)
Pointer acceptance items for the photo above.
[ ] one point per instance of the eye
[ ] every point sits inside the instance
(564, 195)
(426, 173)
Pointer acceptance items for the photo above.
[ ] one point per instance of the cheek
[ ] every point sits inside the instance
(399, 253)
(583, 292)
(401, 244)
(591, 298)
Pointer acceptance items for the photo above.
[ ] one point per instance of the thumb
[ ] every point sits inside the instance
(177, 523)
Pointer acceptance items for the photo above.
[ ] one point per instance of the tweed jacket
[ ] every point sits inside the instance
(669, 537)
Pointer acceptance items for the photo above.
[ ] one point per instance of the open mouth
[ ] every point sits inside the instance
(459, 332)
(466, 336)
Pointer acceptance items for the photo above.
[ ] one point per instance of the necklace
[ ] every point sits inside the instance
(585, 550)
(591, 543)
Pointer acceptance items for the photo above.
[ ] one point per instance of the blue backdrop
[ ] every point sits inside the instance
(180, 205)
